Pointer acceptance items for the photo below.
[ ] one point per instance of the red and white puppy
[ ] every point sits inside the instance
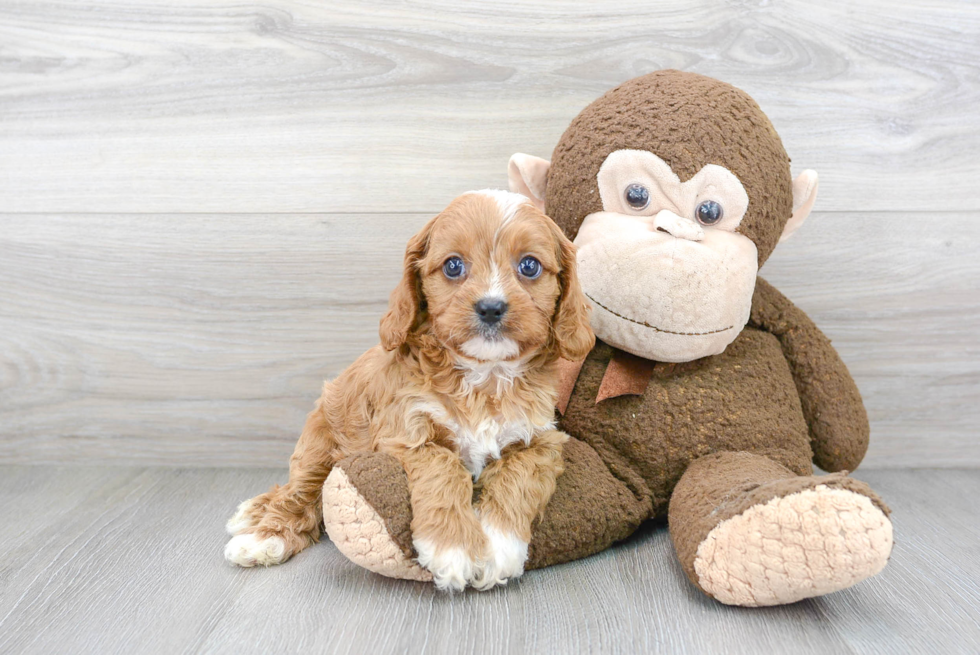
(461, 389)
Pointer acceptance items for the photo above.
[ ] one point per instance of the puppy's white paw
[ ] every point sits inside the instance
(241, 519)
(451, 568)
(249, 550)
(508, 552)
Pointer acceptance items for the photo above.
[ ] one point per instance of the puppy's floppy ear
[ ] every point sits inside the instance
(572, 333)
(406, 302)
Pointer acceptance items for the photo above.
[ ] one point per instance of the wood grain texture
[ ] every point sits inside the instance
(128, 106)
(102, 560)
(203, 340)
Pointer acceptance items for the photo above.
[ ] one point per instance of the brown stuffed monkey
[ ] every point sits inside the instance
(708, 393)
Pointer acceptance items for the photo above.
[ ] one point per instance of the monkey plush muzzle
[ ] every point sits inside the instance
(629, 265)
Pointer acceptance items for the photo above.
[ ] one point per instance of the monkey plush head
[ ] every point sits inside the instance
(676, 188)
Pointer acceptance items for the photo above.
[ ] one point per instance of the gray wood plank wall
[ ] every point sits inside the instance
(205, 204)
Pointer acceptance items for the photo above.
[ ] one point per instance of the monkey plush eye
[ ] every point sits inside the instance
(709, 212)
(637, 196)
(453, 268)
(529, 267)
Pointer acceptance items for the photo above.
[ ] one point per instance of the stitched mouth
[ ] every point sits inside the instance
(654, 327)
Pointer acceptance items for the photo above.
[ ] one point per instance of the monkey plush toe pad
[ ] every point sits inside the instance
(798, 546)
(359, 532)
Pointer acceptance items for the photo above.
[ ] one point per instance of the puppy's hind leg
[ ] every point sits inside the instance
(248, 514)
(274, 526)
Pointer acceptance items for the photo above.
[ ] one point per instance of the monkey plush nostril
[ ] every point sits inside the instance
(676, 226)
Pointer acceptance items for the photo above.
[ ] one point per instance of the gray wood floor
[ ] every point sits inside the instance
(126, 560)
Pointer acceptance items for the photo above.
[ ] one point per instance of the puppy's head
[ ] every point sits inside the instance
(493, 279)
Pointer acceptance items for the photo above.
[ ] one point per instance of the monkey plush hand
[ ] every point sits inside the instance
(708, 395)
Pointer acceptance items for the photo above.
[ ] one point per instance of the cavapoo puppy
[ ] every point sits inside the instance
(462, 389)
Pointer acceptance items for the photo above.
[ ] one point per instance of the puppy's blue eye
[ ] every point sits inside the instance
(453, 268)
(529, 267)
(709, 212)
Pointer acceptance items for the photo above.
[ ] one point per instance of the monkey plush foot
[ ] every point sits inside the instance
(751, 533)
(366, 513)
(807, 544)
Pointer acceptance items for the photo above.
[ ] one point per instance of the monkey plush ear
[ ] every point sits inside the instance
(528, 176)
(804, 195)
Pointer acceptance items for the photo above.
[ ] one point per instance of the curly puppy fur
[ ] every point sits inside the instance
(454, 399)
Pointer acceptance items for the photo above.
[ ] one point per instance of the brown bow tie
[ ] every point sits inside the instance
(625, 375)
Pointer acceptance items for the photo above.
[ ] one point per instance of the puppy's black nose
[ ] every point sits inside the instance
(490, 310)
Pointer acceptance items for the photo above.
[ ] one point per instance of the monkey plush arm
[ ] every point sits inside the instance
(831, 401)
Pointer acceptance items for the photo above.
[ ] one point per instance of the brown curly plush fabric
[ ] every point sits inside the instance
(831, 402)
(689, 121)
(690, 410)
(581, 523)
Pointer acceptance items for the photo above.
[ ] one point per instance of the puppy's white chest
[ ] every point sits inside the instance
(484, 441)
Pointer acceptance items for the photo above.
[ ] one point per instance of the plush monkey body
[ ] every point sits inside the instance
(767, 438)
(709, 395)
(694, 405)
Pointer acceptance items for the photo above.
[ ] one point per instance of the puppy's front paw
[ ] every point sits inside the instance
(250, 550)
(452, 568)
(508, 552)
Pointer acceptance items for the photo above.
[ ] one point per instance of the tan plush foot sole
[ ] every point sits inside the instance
(359, 532)
(798, 546)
